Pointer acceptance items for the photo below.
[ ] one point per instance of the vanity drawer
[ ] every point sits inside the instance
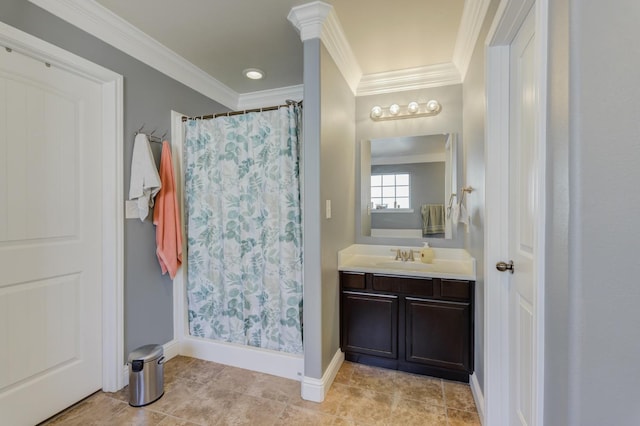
(455, 289)
(396, 284)
(352, 280)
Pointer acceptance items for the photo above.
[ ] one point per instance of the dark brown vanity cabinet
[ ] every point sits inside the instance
(420, 325)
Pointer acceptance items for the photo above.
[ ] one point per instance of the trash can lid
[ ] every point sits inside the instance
(146, 353)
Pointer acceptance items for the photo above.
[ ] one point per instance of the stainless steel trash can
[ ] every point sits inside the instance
(146, 375)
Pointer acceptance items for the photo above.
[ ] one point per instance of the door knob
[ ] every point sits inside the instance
(503, 266)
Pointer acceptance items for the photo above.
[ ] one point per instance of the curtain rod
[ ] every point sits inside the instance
(240, 112)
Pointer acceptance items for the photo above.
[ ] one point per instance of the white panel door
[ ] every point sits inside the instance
(522, 211)
(50, 239)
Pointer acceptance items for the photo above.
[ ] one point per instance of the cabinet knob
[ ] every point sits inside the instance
(503, 266)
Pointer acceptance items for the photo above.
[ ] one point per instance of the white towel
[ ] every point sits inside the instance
(464, 216)
(145, 180)
(455, 213)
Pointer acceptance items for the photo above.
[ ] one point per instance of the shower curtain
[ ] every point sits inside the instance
(244, 231)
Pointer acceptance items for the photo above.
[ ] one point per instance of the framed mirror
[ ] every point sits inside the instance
(407, 186)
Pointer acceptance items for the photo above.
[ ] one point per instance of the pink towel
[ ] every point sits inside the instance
(166, 217)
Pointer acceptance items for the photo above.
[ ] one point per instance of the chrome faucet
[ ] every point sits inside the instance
(404, 255)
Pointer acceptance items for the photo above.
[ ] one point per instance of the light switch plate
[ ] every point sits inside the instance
(131, 209)
(328, 209)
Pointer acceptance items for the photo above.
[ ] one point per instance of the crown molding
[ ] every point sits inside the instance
(409, 79)
(270, 97)
(100, 22)
(309, 18)
(319, 20)
(473, 15)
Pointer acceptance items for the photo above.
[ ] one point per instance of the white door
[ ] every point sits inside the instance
(50, 239)
(522, 211)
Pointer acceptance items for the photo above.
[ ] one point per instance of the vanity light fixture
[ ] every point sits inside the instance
(253, 73)
(414, 109)
(376, 111)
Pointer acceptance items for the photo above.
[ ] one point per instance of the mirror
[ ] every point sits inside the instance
(406, 186)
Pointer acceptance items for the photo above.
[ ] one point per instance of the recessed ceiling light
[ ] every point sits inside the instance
(253, 73)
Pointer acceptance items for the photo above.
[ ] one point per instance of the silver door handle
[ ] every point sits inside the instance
(503, 266)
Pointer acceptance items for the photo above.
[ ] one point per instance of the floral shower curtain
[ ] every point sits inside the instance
(244, 232)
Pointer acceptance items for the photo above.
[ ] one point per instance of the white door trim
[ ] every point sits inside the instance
(112, 189)
(179, 282)
(507, 21)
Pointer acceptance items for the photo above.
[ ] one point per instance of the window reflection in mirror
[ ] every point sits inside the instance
(406, 185)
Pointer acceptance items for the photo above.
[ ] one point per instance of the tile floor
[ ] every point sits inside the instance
(205, 393)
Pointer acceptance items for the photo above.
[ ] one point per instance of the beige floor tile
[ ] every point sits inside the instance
(199, 393)
(366, 406)
(364, 376)
(197, 370)
(175, 393)
(345, 373)
(301, 417)
(419, 388)
(463, 418)
(132, 416)
(94, 410)
(205, 408)
(175, 367)
(339, 421)
(407, 412)
(275, 388)
(175, 421)
(459, 396)
(234, 379)
(251, 410)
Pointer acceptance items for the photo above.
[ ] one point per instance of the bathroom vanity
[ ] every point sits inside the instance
(407, 315)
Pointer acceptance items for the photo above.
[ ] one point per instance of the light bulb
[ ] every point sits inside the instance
(253, 73)
(376, 112)
(413, 107)
(433, 105)
(394, 109)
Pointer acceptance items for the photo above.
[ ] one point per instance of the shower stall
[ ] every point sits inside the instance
(240, 294)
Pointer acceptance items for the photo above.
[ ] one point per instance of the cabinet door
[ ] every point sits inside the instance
(370, 324)
(438, 333)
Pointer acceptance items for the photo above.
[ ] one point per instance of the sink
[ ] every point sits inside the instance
(448, 263)
(405, 266)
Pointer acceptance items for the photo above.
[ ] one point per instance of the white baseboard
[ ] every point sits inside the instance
(170, 350)
(316, 389)
(477, 395)
(262, 360)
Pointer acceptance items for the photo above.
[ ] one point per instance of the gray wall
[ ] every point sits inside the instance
(474, 113)
(427, 187)
(604, 154)
(337, 183)
(328, 170)
(149, 97)
(557, 364)
(312, 314)
(448, 121)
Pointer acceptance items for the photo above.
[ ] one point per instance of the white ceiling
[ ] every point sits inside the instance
(224, 37)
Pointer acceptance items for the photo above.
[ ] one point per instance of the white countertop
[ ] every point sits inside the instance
(378, 259)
